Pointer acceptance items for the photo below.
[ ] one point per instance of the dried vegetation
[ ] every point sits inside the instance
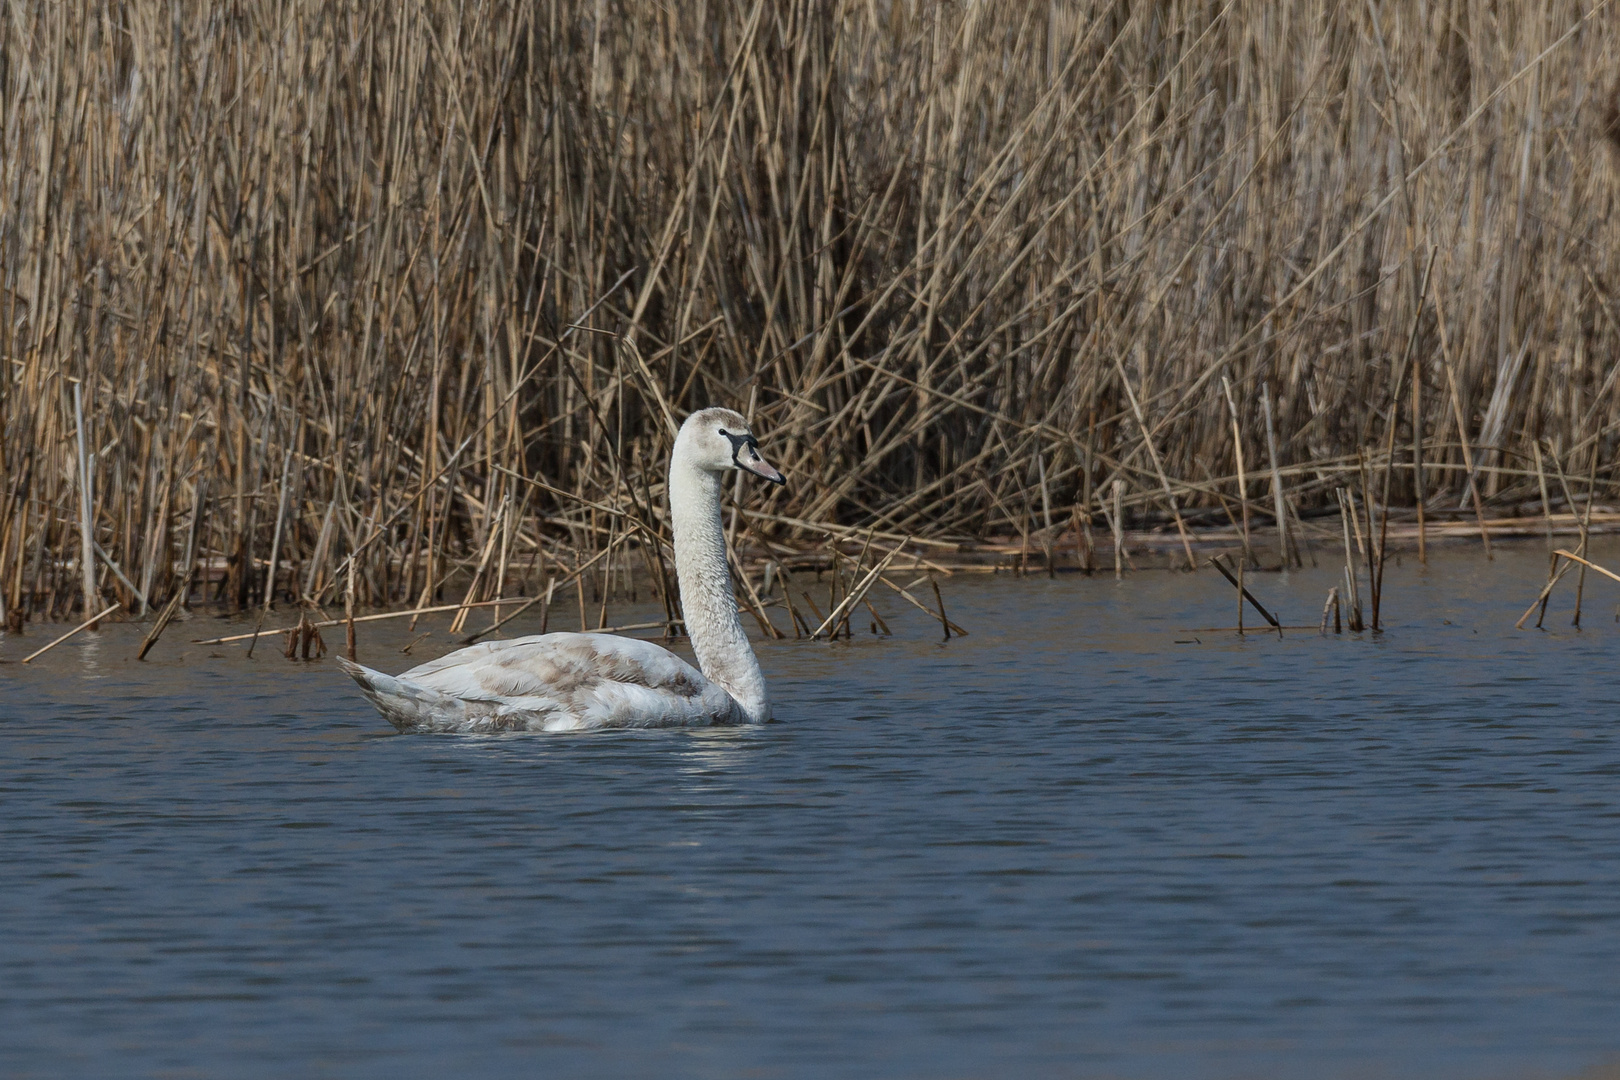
(289, 287)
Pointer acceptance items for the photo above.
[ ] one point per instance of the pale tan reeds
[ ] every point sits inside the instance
(338, 283)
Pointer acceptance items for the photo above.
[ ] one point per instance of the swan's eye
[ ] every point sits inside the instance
(739, 443)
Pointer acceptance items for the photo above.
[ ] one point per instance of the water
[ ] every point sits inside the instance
(1087, 840)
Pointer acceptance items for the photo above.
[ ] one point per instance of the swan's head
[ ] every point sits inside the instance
(716, 440)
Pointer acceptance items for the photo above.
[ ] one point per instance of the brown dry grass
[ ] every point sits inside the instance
(338, 278)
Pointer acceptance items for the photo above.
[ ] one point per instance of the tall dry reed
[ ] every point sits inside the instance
(339, 282)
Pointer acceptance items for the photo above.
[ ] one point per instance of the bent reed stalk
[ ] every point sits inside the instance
(407, 299)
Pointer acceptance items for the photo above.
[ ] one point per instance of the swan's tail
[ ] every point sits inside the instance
(405, 704)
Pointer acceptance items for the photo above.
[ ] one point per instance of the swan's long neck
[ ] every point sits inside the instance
(710, 607)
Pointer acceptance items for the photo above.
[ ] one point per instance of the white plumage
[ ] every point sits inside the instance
(575, 682)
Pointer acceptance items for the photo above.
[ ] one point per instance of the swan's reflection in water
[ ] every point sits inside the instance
(93, 655)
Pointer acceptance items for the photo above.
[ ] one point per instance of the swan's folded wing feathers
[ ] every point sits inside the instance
(583, 680)
(557, 662)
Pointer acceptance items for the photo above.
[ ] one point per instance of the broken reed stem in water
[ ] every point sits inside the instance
(920, 606)
(1347, 516)
(1118, 523)
(165, 617)
(1554, 576)
(858, 593)
(378, 616)
(879, 625)
(303, 637)
(1588, 564)
(1332, 603)
(1244, 594)
(1586, 530)
(940, 600)
(87, 624)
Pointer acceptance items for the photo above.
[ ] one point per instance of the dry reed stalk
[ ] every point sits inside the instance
(1583, 522)
(1554, 576)
(1586, 532)
(750, 596)
(858, 593)
(1244, 594)
(1280, 508)
(1243, 479)
(1118, 523)
(540, 598)
(1046, 504)
(506, 551)
(275, 540)
(348, 614)
(118, 573)
(1472, 489)
(1332, 603)
(785, 582)
(86, 625)
(1084, 548)
(376, 616)
(164, 617)
(1153, 455)
(1420, 495)
(860, 560)
(1541, 482)
(922, 607)
(304, 636)
(579, 593)
(879, 625)
(814, 610)
(1347, 515)
(1611, 575)
(940, 601)
(752, 602)
(1376, 571)
(1347, 509)
(87, 532)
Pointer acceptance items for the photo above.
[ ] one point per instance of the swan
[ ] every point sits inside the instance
(578, 682)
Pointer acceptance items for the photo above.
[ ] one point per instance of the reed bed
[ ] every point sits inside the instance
(399, 304)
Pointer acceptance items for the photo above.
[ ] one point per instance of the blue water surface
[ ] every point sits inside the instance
(1091, 839)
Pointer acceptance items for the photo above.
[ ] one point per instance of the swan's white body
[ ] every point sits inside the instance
(576, 682)
(550, 682)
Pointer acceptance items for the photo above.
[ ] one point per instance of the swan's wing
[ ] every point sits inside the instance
(566, 681)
